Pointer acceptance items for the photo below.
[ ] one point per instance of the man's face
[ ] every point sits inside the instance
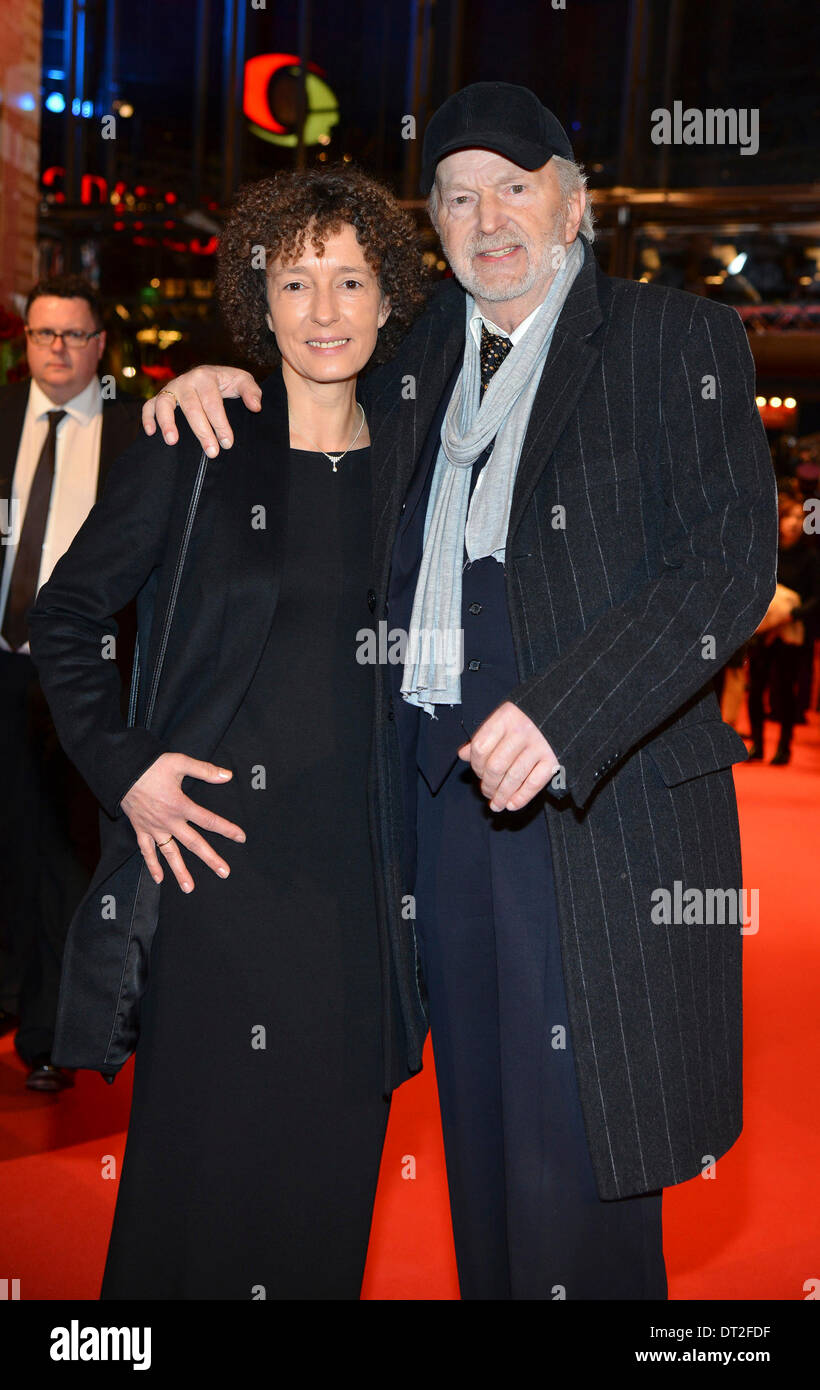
(503, 228)
(60, 371)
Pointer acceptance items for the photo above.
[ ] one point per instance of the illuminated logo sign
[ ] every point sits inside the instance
(272, 100)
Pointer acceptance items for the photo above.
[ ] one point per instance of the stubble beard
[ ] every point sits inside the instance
(539, 270)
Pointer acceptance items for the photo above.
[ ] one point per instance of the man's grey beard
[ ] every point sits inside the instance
(541, 271)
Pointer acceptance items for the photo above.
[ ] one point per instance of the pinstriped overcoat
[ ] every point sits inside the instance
(641, 553)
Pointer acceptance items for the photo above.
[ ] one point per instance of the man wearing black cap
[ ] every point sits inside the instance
(590, 502)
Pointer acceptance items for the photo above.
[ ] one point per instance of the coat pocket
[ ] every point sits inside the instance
(681, 754)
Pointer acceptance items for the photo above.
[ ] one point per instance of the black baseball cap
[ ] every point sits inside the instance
(498, 116)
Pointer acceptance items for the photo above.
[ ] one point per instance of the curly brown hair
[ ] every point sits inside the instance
(276, 213)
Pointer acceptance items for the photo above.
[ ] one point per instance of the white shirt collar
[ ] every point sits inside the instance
(477, 318)
(82, 407)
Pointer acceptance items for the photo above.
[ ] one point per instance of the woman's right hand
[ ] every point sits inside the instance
(157, 807)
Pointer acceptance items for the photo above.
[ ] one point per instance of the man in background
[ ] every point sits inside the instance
(57, 439)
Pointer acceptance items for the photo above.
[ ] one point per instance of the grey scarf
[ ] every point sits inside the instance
(434, 653)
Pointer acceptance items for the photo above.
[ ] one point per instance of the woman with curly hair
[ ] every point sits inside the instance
(263, 978)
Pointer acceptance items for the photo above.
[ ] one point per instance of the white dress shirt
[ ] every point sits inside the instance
(76, 472)
(517, 334)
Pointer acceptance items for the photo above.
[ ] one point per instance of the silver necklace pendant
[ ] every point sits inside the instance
(337, 458)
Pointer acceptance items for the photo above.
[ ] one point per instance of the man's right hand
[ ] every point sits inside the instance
(157, 807)
(200, 393)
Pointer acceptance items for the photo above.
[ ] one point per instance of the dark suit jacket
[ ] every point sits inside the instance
(641, 553)
(225, 596)
(120, 427)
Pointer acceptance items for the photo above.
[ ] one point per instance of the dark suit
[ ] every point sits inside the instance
(48, 827)
(640, 554)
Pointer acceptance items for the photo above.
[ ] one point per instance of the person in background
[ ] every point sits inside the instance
(776, 653)
(58, 439)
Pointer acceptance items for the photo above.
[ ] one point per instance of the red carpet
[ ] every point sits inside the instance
(753, 1232)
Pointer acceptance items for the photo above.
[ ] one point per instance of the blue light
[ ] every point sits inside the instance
(55, 101)
(88, 108)
(576, 125)
(56, 74)
(75, 106)
(26, 102)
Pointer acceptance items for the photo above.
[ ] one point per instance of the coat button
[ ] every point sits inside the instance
(474, 666)
(475, 608)
(371, 600)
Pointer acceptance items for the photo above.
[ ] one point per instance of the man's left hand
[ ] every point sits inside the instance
(511, 758)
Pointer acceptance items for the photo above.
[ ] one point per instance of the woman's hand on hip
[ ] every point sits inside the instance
(199, 394)
(159, 810)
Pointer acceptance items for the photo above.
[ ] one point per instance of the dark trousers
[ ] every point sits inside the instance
(527, 1219)
(775, 665)
(49, 845)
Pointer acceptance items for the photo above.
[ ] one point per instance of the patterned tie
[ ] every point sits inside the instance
(494, 349)
(26, 572)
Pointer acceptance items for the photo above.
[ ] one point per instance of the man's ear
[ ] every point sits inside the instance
(269, 321)
(576, 205)
(385, 310)
(101, 345)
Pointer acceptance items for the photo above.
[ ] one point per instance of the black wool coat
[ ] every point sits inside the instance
(183, 535)
(641, 554)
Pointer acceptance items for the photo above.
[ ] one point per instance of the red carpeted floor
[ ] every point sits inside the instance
(752, 1232)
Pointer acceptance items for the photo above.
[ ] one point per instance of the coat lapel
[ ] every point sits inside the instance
(401, 410)
(234, 573)
(13, 403)
(570, 360)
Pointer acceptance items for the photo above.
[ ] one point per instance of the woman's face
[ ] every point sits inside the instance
(326, 311)
(791, 525)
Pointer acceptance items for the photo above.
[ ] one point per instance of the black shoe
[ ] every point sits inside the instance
(44, 1076)
(781, 757)
(755, 753)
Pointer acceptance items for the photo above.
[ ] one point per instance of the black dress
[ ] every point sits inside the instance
(257, 1118)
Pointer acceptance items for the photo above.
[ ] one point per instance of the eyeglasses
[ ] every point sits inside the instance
(71, 337)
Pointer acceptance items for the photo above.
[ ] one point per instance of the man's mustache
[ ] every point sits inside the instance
(513, 238)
